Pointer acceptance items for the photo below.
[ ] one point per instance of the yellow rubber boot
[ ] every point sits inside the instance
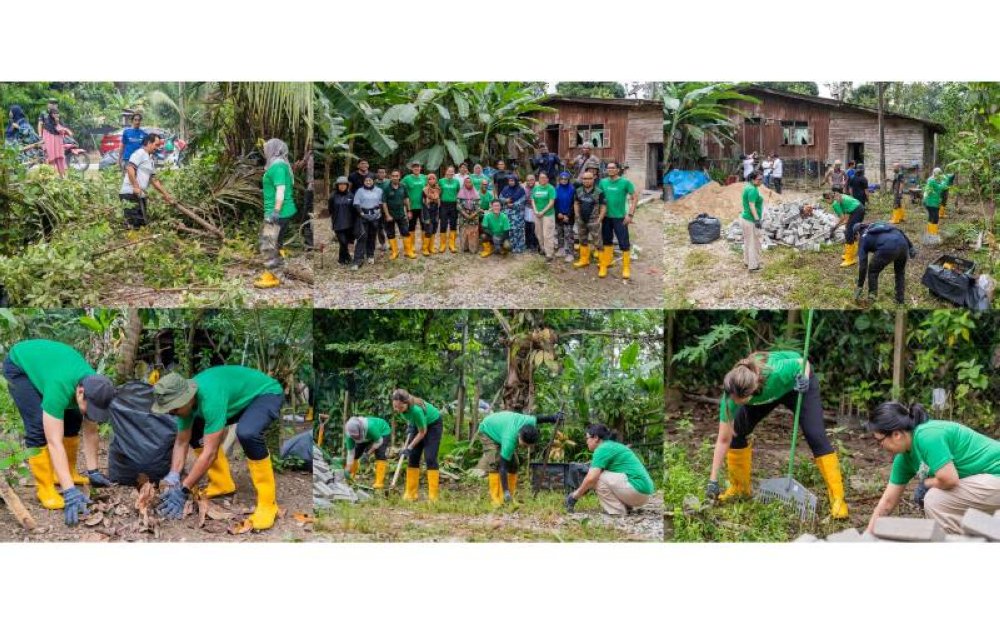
(897, 216)
(354, 468)
(433, 484)
(45, 480)
(604, 262)
(452, 237)
(738, 466)
(829, 468)
(496, 493)
(584, 257)
(262, 475)
(220, 478)
(408, 246)
(941, 212)
(626, 265)
(72, 445)
(511, 484)
(426, 243)
(381, 466)
(850, 254)
(932, 229)
(487, 249)
(393, 250)
(267, 280)
(412, 483)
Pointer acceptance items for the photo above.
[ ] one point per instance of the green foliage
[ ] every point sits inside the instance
(696, 111)
(591, 89)
(805, 88)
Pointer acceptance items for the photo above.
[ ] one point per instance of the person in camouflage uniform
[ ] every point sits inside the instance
(588, 207)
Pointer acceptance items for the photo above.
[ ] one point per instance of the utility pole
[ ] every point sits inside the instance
(881, 132)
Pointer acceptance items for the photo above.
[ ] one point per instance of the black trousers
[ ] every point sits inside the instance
(530, 240)
(810, 419)
(855, 218)
(449, 216)
(135, 215)
(612, 228)
(29, 403)
(397, 223)
(250, 425)
(429, 218)
(413, 221)
(364, 247)
(428, 446)
(776, 183)
(344, 238)
(879, 262)
(361, 448)
(933, 213)
(283, 227)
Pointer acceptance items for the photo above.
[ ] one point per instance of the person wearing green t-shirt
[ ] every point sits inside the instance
(54, 388)
(496, 231)
(753, 213)
(414, 182)
(621, 201)
(935, 190)
(616, 474)
(501, 433)
(752, 390)
(450, 186)
(279, 208)
(367, 435)
(957, 467)
(423, 437)
(394, 216)
(851, 211)
(204, 406)
(543, 201)
(478, 177)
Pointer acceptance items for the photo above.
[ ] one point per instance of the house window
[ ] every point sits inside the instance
(796, 133)
(593, 135)
(753, 121)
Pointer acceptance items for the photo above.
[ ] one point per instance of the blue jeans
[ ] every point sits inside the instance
(29, 403)
(250, 425)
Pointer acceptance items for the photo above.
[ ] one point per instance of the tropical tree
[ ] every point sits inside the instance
(698, 111)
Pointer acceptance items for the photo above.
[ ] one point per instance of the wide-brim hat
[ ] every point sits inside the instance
(172, 391)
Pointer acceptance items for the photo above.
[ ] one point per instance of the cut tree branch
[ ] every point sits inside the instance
(201, 222)
(108, 250)
(15, 505)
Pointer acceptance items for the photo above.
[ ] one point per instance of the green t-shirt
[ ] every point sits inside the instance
(936, 443)
(377, 428)
(449, 189)
(496, 225)
(415, 190)
(541, 195)
(780, 370)
(751, 195)
(54, 369)
(383, 184)
(477, 181)
(393, 198)
(278, 174)
(421, 417)
(617, 458)
(503, 428)
(224, 392)
(933, 190)
(846, 205)
(485, 199)
(616, 194)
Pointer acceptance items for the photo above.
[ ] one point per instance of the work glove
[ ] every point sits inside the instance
(75, 505)
(506, 496)
(712, 490)
(757, 224)
(801, 383)
(172, 479)
(859, 293)
(404, 452)
(912, 252)
(97, 479)
(919, 494)
(570, 502)
(271, 218)
(172, 503)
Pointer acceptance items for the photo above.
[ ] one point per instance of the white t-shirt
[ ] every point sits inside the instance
(747, 167)
(145, 170)
(777, 168)
(529, 212)
(766, 166)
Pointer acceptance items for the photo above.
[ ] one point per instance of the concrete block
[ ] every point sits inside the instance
(850, 535)
(869, 538)
(959, 538)
(978, 523)
(806, 538)
(909, 530)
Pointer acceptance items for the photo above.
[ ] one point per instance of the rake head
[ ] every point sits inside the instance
(791, 493)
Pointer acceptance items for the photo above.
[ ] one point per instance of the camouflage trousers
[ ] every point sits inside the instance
(589, 233)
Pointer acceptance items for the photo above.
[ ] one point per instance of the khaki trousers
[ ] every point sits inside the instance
(947, 507)
(751, 245)
(615, 493)
(545, 230)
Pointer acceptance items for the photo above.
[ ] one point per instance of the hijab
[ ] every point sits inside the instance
(275, 150)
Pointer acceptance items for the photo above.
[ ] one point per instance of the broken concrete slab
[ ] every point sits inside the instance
(850, 535)
(979, 523)
(807, 538)
(960, 538)
(909, 530)
(868, 537)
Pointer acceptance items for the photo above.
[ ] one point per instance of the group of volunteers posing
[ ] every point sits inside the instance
(616, 473)
(469, 210)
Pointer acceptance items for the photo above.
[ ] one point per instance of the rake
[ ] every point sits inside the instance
(786, 489)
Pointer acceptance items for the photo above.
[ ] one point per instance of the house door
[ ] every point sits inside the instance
(654, 165)
(552, 139)
(856, 152)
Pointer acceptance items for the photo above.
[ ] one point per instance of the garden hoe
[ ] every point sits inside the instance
(786, 489)
(399, 468)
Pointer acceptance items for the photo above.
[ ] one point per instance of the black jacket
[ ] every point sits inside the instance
(858, 186)
(342, 214)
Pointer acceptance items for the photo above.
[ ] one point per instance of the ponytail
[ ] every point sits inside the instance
(410, 400)
(893, 416)
(746, 377)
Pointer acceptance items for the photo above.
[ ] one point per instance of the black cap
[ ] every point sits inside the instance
(98, 391)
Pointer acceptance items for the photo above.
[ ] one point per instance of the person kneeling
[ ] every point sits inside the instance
(616, 474)
(496, 231)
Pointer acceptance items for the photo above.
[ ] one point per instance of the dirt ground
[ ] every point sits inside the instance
(464, 514)
(119, 521)
(464, 280)
(713, 275)
(865, 467)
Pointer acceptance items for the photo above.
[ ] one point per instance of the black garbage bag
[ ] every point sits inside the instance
(143, 442)
(953, 285)
(300, 447)
(704, 229)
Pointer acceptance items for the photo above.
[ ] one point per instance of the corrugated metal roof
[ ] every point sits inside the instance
(621, 102)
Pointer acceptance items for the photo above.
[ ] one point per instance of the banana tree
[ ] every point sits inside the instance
(695, 111)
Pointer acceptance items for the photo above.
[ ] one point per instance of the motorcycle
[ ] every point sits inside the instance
(77, 158)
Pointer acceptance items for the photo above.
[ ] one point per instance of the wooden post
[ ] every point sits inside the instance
(474, 423)
(794, 320)
(898, 354)
(15, 505)
(461, 379)
(881, 132)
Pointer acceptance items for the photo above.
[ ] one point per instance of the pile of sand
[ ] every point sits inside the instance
(725, 202)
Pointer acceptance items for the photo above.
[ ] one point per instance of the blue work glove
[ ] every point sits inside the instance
(920, 493)
(801, 383)
(172, 503)
(172, 479)
(570, 502)
(404, 452)
(757, 224)
(97, 479)
(712, 490)
(75, 505)
(272, 218)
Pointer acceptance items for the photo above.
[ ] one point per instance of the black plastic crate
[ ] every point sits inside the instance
(549, 476)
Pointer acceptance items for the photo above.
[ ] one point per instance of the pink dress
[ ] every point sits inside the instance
(55, 151)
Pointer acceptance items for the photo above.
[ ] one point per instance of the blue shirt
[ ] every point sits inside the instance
(131, 141)
(565, 194)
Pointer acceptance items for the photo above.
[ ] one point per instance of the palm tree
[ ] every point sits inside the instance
(694, 111)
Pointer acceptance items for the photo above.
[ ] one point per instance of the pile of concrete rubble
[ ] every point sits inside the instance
(784, 225)
(977, 527)
(330, 485)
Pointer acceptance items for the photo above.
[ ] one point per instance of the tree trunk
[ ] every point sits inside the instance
(181, 111)
(794, 320)
(130, 346)
(474, 423)
(881, 132)
(460, 416)
(898, 354)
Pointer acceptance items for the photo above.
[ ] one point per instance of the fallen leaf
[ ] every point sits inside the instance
(216, 513)
(94, 537)
(94, 519)
(242, 527)
(303, 518)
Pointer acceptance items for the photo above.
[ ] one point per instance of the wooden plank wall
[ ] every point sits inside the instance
(569, 115)
(645, 126)
(905, 141)
(768, 138)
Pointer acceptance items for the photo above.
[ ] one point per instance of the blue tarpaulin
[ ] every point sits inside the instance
(684, 182)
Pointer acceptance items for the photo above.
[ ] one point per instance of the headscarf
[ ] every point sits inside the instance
(49, 122)
(356, 428)
(275, 150)
(515, 193)
(13, 130)
(468, 191)
(565, 192)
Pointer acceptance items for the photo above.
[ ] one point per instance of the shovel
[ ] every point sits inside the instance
(399, 468)
(786, 489)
